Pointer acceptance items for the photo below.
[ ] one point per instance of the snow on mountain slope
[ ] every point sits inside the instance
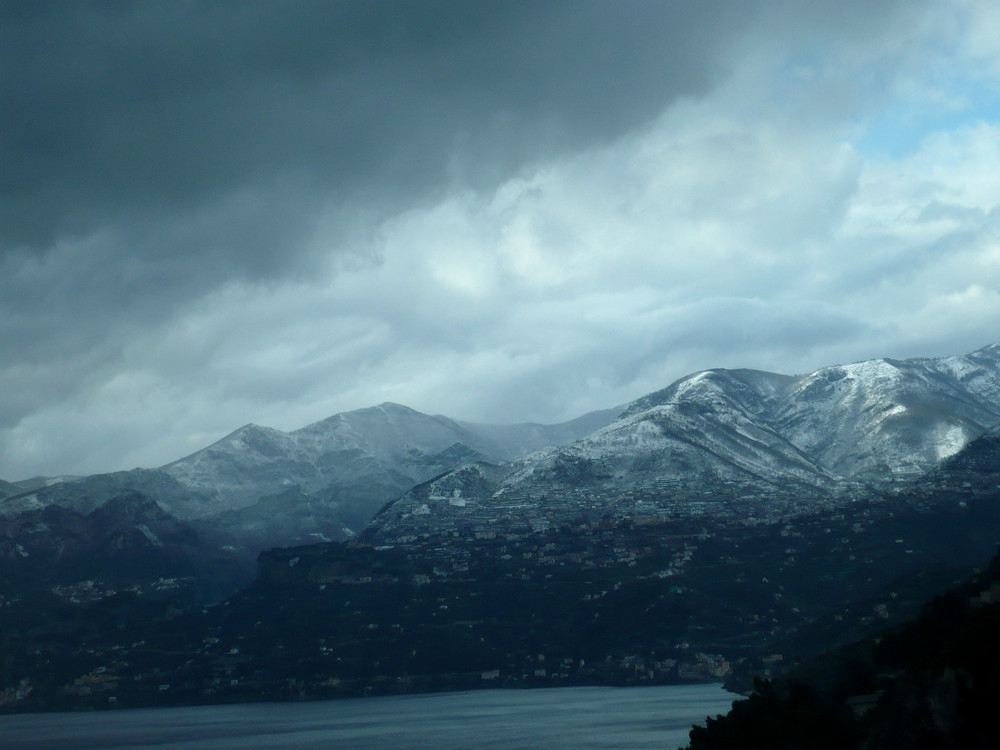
(706, 427)
(358, 458)
(878, 418)
(749, 390)
(890, 417)
(685, 447)
(714, 438)
(259, 487)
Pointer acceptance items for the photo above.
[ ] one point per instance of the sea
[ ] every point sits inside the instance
(580, 718)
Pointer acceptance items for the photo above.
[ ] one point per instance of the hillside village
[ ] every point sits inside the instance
(649, 601)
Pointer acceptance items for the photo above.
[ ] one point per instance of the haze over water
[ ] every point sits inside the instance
(579, 718)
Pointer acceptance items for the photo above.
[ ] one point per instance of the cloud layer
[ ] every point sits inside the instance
(220, 213)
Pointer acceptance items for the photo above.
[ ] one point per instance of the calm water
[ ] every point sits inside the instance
(590, 717)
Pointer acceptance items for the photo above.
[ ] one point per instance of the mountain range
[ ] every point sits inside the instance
(724, 442)
(256, 488)
(718, 443)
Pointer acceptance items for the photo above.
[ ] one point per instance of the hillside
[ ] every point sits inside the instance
(929, 682)
(739, 443)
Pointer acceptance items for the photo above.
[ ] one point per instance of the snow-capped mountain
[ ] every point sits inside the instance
(728, 441)
(870, 418)
(254, 489)
(359, 459)
(260, 487)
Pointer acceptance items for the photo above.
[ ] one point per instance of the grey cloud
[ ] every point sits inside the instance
(127, 118)
(620, 366)
(118, 107)
(892, 264)
(735, 332)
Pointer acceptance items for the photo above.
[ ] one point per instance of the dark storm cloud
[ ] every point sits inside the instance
(112, 109)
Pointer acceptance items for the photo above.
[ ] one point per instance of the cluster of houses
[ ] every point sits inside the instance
(470, 503)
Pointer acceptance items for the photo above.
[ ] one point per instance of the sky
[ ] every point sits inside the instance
(216, 213)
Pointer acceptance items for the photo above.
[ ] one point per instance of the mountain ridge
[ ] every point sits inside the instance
(721, 442)
(712, 439)
(259, 487)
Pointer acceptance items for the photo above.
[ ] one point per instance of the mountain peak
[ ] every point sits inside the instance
(725, 441)
(990, 350)
(393, 406)
(387, 409)
(748, 386)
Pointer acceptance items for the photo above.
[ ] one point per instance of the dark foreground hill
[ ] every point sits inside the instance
(931, 682)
